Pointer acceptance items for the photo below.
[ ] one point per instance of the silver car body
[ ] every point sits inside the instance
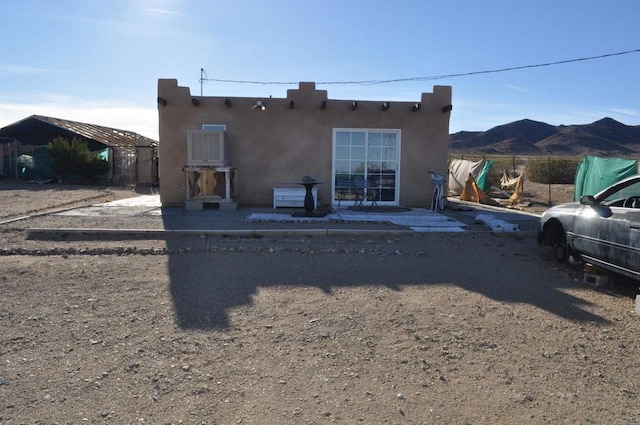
(603, 230)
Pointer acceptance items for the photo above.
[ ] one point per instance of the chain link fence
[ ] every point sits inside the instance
(548, 180)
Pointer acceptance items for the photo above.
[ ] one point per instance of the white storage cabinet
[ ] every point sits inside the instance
(292, 197)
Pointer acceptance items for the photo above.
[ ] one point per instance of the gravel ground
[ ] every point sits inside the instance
(403, 329)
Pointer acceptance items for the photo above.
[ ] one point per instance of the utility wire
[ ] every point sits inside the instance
(429, 78)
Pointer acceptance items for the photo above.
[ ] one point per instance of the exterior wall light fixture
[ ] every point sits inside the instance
(416, 107)
(227, 103)
(354, 106)
(195, 102)
(162, 101)
(385, 106)
(323, 105)
(259, 105)
(447, 108)
(292, 104)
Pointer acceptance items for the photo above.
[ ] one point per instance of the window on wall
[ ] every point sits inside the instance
(371, 155)
(214, 127)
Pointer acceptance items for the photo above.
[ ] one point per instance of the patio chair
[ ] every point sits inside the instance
(365, 191)
(344, 189)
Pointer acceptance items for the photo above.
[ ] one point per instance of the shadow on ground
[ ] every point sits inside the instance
(206, 284)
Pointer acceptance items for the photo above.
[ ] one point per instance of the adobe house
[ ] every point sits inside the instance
(258, 144)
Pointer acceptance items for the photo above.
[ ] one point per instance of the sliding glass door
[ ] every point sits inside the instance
(373, 156)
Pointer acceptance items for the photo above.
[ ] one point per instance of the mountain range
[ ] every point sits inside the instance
(606, 138)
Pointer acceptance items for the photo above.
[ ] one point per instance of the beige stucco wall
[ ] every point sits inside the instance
(281, 144)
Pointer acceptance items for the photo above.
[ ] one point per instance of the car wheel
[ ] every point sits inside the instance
(554, 236)
(561, 252)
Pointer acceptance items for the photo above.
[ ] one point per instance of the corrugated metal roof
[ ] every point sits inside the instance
(112, 137)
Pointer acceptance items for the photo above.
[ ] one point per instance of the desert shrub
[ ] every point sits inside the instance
(552, 170)
(75, 160)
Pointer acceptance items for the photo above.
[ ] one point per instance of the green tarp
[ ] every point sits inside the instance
(35, 166)
(38, 165)
(595, 174)
(481, 181)
(103, 154)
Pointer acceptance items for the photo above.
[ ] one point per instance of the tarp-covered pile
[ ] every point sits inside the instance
(469, 180)
(516, 184)
(460, 169)
(472, 192)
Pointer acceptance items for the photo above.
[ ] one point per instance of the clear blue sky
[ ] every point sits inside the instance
(99, 61)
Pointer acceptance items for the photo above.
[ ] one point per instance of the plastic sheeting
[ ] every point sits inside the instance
(471, 192)
(595, 174)
(507, 182)
(481, 180)
(459, 170)
(35, 166)
(518, 189)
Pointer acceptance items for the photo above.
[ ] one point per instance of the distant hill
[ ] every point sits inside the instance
(606, 137)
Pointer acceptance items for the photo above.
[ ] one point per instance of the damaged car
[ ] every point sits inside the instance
(601, 229)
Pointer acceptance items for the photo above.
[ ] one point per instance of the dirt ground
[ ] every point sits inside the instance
(464, 328)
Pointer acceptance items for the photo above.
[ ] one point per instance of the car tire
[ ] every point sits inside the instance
(561, 252)
(554, 236)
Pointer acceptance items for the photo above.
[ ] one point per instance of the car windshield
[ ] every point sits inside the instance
(623, 193)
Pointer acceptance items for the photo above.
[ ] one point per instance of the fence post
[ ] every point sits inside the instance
(549, 178)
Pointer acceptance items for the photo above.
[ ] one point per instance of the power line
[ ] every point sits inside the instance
(429, 78)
